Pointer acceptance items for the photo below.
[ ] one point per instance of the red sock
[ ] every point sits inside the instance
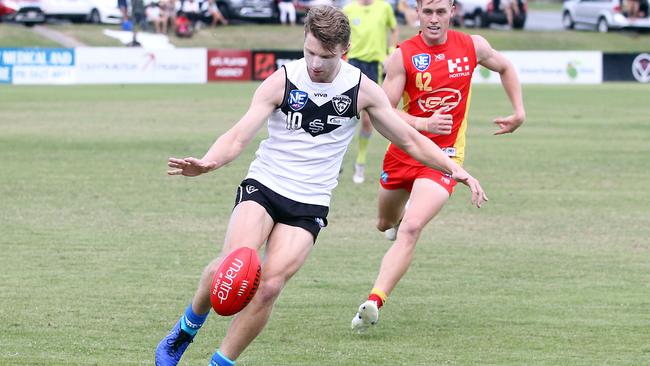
(376, 299)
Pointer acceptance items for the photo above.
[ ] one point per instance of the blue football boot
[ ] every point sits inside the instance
(171, 348)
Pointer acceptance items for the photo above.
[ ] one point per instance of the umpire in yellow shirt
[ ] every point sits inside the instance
(371, 21)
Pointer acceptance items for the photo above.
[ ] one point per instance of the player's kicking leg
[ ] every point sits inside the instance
(249, 223)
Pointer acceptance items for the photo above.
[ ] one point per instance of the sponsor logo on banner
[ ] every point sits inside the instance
(264, 65)
(297, 99)
(341, 103)
(641, 68)
(135, 65)
(443, 98)
(37, 66)
(229, 65)
(421, 61)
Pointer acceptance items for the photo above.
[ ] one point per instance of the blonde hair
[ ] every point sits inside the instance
(329, 25)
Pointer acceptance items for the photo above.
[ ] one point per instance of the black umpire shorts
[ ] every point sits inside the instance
(370, 69)
(284, 210)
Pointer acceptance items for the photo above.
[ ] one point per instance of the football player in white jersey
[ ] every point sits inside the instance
(267, 209)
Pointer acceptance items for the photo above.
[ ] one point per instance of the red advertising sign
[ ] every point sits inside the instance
(229, 65)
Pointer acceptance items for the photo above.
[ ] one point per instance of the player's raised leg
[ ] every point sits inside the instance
(426, 200)
(286, 251)
(249, 225)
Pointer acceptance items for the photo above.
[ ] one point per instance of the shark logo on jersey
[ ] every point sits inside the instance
(297, 99)
(421, 61)
(341, 103)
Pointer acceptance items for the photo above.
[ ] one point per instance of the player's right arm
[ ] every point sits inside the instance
(389, 124)
(229, 145)
(394, 85)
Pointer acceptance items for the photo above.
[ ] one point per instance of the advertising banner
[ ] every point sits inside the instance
(266, 62)
(37, 65)
(550, 67)
(103, 65)
(627, 67)
(229, 65)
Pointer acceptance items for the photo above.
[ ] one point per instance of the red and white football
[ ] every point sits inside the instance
(236, 281)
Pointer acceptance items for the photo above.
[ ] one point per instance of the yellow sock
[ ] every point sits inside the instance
(364, 140)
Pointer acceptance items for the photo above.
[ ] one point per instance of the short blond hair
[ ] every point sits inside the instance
(329, 25)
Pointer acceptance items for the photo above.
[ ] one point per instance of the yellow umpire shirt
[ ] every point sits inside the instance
(370, 26)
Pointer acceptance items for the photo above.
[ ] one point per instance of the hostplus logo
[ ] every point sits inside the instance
(458, 67)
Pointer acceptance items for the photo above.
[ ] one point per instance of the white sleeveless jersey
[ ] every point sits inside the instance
(308, 135)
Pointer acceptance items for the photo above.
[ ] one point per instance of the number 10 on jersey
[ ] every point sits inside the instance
(294, 120)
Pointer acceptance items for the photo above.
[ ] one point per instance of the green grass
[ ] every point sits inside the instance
(272, 36)
(545, 5)
(17, 35)
(102, 250)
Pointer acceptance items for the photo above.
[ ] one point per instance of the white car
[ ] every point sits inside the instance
(94, 11)
(603, 15)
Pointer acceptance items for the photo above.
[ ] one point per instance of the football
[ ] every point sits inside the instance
(236, 281)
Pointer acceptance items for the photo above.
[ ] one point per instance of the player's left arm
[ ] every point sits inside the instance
(496, 62)
(373, 100)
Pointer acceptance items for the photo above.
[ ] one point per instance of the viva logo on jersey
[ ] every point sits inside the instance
(297, 99)
(421, 61)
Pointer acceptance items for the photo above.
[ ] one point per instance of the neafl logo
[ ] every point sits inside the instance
(223, 284)
(446, 98)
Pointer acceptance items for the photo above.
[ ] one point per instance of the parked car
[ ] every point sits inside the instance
(483, 13)
(603, 15)
(28, 12)
(260, 10)
(6, 10)
(105, 11)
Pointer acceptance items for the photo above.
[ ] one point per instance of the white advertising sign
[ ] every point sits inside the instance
(101, 65)
(549, 67)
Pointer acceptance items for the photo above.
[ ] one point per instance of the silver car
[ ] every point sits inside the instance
(603, 15)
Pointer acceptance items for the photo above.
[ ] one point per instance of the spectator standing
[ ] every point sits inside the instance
(121, 4)
(287, 11)
(154, 16)
(215, 14)
(370, 22)
(511, 9)
(167, 14)
(138, 12)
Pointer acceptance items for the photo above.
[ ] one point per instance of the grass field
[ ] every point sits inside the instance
(272, 36)
(102, 250)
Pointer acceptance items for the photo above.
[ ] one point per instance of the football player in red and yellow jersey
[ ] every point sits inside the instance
(431, 72)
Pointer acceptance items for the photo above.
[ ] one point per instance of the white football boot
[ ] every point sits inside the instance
(359, 174)
(367, 316)
(391, 234)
